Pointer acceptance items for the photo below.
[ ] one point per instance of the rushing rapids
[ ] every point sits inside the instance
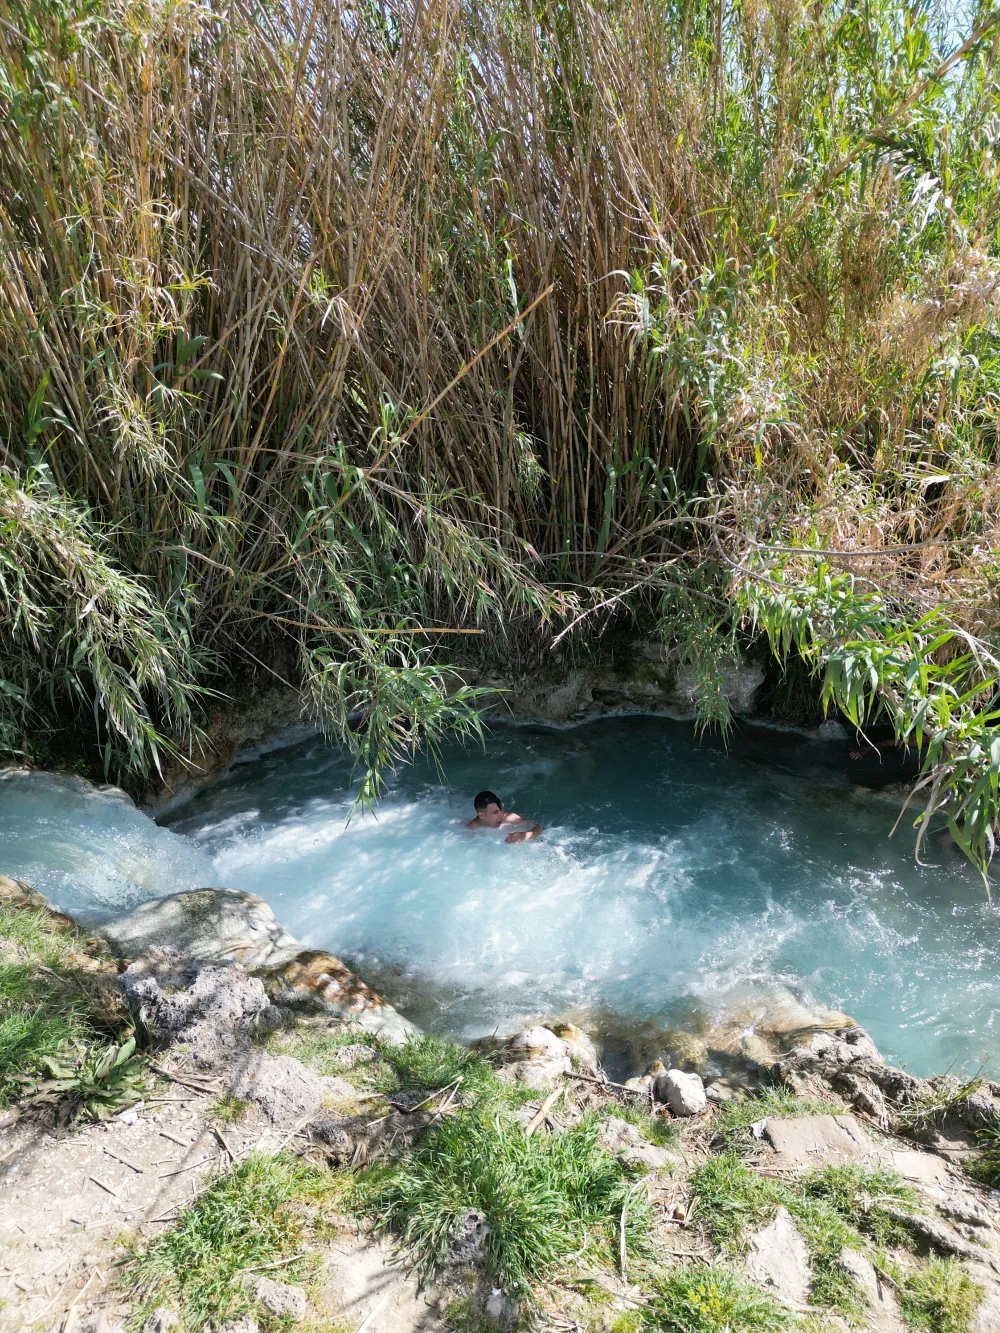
(676, 881)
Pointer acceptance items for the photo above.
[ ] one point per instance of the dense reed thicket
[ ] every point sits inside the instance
(338, 327)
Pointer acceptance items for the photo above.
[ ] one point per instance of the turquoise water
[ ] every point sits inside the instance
(675, 881)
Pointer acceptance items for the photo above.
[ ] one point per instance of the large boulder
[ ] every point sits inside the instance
(220, 925)
(314, 981)
(229, 926)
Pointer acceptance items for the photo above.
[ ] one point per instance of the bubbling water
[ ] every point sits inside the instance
(675, 881)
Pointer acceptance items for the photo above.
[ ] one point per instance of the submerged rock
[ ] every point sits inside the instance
(317, 981)
(538, 1041)
(682, 1091)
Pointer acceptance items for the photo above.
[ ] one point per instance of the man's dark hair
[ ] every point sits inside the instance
(484, 799)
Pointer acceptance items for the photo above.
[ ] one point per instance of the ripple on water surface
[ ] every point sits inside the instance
(673, 877)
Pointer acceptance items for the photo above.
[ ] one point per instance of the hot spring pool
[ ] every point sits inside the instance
(675, 879)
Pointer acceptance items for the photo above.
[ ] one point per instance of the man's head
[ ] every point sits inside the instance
(489, 808)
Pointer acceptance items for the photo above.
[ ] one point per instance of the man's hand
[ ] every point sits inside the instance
(523, 835)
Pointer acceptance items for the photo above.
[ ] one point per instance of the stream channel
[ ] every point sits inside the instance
(677, 881)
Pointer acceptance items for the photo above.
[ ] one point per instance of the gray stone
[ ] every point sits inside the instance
(214, 1007)
(217, 925)
(348, 1057)
(280, 1298)
(161, 1320)
(987, 1317)
(964, 1208)
(500, 1308)
(740, 683)
(939, 1236)
(541, 1073)
(779, 1259)
(616, 1134)
(882, 1309)
(244, 1325)
(538, 1041)
(652, 1157)
(97, 1321)
(281, 1086)
(683, 1092)
(818, 1140)
(335, 1138)
(467, 1241)
(832, 731)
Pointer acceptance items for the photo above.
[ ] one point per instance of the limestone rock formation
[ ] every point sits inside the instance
(228, 926)
(213, 1007)
(221, 925)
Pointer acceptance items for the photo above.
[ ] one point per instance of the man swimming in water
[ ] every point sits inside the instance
(491, 814)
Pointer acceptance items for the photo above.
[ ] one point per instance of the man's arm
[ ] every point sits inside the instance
(522, 835)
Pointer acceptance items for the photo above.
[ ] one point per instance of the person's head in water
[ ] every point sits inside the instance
(489, 809)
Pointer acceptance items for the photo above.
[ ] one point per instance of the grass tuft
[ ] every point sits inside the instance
(244, 1220)
(832, 1207)
(713, 1300)
(939, 1298)
(545, 1197)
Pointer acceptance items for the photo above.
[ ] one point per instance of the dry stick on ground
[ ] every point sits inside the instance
(543, 1111)
(206, 1089)
(124, 1160)
(606, 1084)
(222, 1139)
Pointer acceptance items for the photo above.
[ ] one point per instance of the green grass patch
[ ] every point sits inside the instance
(656, 1128)
(229, 1108)
(713, 1300)
(424, 1063)
(60, 1042)
(832, 1207)
(545, 1197)
(985, 1166)
(939, 1298)
(735, 1118)
(245, 1220)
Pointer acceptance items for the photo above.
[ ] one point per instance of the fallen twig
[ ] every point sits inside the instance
(222, 1139)
(180, 1171)
(261, 1268)
(606, 1083)
(187, 1081)
(112, 1192)
(124, 1160)
(543, 1111)
(181, 1143)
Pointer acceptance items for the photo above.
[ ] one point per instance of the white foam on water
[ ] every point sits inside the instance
(672, 878)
